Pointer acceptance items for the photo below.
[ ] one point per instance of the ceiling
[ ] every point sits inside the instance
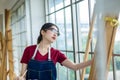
(6, 4)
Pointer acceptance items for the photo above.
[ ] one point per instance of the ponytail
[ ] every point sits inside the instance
(39, 38)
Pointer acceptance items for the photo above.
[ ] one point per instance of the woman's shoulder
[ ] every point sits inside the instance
(55, 50)
(31, 46)
(34, 45)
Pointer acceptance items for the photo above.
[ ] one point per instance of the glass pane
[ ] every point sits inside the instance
(52, 18)
(62, 73)
(69, 36)
(60, 24)
(18, 27)
(73, 1)
(58, 4)
(83, 24)
(71, 73)
(51, 6)
(81, 58)
(92, 3)
(19, 13)
(61, 69)
(94, 38)
(14, 17)
(94, 35)
(23, 38)
(54, 45)
(14, 30)
(110, 73)
(117, 67)
(117, 40)
(67, 2)
(70, 56)
(18, 40)
(22, 10)
(22, 25)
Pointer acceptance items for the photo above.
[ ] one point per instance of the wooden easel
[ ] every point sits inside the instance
(88, 44)
(110, 37)
(10, 55)
(6, 51)
(110, 32)
(1, 50)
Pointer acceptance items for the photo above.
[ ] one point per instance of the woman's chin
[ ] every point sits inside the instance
(52, 41)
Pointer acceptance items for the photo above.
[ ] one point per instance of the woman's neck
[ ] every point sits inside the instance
(44, 44)
(43, 47)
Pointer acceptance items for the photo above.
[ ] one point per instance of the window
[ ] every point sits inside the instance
(61, 16)
(73, 19)
(116, 57)
(18, 35)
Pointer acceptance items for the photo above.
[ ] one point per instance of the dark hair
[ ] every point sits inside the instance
(45, 27)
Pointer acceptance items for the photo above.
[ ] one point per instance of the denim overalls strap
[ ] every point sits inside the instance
(35, 52)
(41, 70)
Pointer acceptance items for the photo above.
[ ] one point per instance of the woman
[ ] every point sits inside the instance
(39, 60)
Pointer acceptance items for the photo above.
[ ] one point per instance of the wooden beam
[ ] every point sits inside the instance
(88, 44)
(10, 56)
(1, 52)
(110, 37)
(7, 54)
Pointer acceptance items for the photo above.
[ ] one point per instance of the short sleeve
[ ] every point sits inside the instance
(25, 57)
(61, 57)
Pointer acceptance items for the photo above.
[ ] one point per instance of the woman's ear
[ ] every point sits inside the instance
(42, 32)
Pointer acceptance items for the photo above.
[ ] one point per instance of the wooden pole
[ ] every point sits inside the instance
(9, 46)
(88, 44)
(4, 61)
(10, 55)
(7, 54)
(111, 40)
(1, 53)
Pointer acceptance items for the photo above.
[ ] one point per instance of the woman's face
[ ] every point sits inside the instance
(51, 34)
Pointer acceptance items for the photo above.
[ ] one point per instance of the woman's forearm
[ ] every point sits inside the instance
(23, 69)
(74, 66)
(83, 65)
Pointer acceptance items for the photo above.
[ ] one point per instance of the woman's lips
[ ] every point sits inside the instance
(53, 38)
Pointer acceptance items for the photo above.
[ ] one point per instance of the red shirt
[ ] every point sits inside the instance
(56, 55)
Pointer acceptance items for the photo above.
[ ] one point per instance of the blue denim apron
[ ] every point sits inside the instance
(41, 70)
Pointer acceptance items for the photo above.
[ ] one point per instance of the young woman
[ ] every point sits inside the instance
(38, 61)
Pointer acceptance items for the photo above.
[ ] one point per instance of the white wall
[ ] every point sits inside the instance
(35, 15)
(2, 25)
